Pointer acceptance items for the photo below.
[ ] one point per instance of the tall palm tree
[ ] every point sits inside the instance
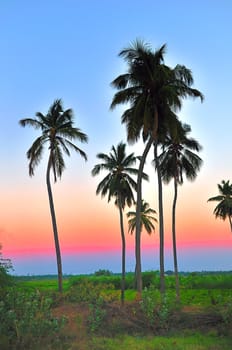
(224, 208)
(176, 160)
(153, 91)
(118, 184)
(58, 134)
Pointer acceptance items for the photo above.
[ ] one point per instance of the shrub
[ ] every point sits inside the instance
(97, 314)
(5, 267)
(26, 320)
(148, 304)
(158, 311)
(85, 290)
(226, 314)
(150, 278)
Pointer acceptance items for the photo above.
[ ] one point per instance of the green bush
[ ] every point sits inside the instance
(85, 290)
(5, 267)
(157, 310)
(26, 320)
(97, 314)
(148, 304)
(226, 314)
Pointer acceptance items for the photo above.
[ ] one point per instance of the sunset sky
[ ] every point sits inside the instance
(69, 49)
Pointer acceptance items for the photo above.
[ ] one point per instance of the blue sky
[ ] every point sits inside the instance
(69, 49)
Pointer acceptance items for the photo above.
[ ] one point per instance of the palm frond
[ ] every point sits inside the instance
(216, 198)
(31, 122)
(35, 152)
(58, 132)
(146, 220)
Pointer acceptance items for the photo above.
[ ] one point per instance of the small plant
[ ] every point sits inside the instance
(163, 312)
(156, 311)
(97, 314)
(226, 314)
(148, 304)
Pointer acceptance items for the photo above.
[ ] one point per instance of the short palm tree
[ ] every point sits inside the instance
(224, 208)
(176, 160)
(118, 184)
(153, 90)
(57, 135)
(146, 219)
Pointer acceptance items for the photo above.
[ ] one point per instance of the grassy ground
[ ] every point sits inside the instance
(95, 319)
(186, 342)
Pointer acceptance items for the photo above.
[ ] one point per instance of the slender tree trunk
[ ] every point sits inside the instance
(139, 284)
(54, 225)
(230, 220)
(123, 252)
(161, 221)
(174, 240)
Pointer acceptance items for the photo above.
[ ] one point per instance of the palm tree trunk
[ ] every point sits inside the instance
(54, 225)
(161, 221)
(174, 240)
(230, 220)
(123, 251)
(138, 269)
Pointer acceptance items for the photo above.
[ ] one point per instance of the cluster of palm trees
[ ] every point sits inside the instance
(119, 185)
(153, 93)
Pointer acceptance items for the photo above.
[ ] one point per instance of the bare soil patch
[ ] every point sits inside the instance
(130, 319)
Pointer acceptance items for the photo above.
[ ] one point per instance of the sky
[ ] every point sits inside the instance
(69, 49)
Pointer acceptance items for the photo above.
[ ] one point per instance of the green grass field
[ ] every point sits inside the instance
(88, 314)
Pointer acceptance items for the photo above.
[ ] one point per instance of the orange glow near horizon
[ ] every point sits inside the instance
(88, 224)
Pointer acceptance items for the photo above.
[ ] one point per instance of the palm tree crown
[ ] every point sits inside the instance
(58, 132)
(224, 208)
(178, 156)
(146, 219)
(151, 88)
(118, 180)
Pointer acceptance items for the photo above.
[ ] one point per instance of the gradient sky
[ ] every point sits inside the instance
(69, 49)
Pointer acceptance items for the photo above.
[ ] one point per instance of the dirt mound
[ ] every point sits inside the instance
(130, 319)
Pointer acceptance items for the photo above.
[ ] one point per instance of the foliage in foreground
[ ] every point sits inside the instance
(26, 321)
(97, 321)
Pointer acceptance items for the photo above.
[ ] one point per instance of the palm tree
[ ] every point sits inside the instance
(224, 208)
(57, 132)
(120, 185)
(153, 91)
(177, 159)
(146, 219)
